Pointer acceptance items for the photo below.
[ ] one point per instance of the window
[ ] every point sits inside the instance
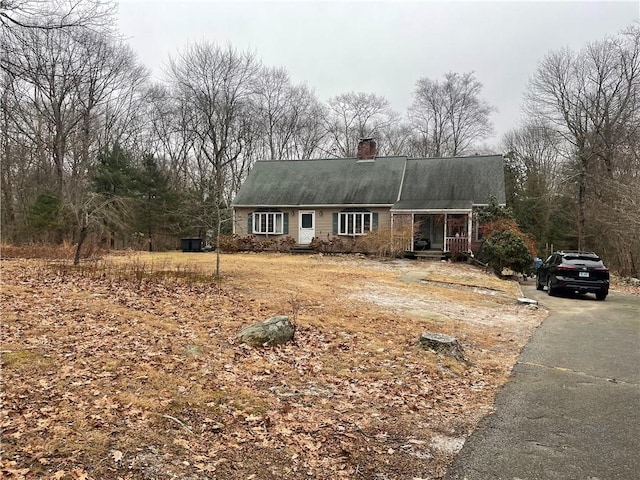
(456, 226)
(268, 222)
(306, 220)
(479, 232)
(354, 223)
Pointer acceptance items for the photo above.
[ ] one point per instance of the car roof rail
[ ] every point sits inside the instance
(577, 252)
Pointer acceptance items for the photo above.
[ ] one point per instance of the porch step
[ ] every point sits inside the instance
(302, 249)
(433, 255)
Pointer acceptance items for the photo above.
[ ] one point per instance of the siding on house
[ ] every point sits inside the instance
(324, 220)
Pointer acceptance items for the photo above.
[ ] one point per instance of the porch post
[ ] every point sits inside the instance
(446, 245)
(469, 230)
(413, 221)
(393, 232)
(394, 238)
(233, 222)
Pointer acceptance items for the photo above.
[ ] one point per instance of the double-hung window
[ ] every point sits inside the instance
(354, 223)
(268, 223)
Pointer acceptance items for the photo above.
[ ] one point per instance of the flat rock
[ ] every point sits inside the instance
(527, 301)
(273, 331)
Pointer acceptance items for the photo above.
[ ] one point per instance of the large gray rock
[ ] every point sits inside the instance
(441, 343)
(273, 331)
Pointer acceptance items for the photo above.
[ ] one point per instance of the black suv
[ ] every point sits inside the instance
(581, 272)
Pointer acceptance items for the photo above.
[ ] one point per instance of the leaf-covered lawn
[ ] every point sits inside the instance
(136, 376)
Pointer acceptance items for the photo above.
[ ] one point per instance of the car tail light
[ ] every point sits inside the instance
(601, 269)
(565, 267)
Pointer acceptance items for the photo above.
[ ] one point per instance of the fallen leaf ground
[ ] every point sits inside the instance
(107, 375)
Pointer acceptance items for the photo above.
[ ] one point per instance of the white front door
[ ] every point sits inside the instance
(306, 226)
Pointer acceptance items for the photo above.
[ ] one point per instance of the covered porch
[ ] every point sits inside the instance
(448, 232)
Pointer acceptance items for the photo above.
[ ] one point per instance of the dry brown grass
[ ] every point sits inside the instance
(117, 371)
(63, 251)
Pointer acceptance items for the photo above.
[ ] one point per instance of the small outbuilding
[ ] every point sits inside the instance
(191, 244)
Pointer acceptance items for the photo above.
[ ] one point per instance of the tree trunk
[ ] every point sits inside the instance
(582, 189)
(81, 239)
(218, 233)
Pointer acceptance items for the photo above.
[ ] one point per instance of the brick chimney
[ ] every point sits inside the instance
(366, 149)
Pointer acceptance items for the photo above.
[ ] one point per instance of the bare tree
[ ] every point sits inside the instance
(310, 139)
(19, 16)
(449, 116)
(352, 116)
(66, 84)
(396, 139)
(71, 93)
(613, 214)
(536, 158)
(273, 106)
(169, 132)
(95, 212)
(428, 117)
(284, 112)
(55, 14)
(592, 98)
(533, 167)
(219, 84)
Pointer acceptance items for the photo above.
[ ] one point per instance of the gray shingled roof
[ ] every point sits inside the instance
(429, 183)
(341, 181)
(452, 183)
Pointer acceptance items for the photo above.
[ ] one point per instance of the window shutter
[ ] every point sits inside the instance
(285, 223)
(374, 221)
(250, 224)
(335, 223)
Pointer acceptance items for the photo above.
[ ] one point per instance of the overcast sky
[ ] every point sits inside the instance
(381, 47)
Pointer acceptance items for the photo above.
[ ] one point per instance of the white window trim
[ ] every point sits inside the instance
(277, 223)
(343, 223)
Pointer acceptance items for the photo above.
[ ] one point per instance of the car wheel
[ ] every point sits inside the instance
(601, 295)
(550, 290)
(539, 285)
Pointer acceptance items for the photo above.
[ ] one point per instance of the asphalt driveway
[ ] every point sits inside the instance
(571, 409)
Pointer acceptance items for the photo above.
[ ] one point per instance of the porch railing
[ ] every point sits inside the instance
(451, 244)
(456, 244)
(403, 243)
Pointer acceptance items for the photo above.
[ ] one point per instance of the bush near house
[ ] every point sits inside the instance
(381, 243)
(332, 245)
(506, 249)
(378, 243)
(252, 243)
(505, 245)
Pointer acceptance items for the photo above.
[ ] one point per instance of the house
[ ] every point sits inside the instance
(434, 199)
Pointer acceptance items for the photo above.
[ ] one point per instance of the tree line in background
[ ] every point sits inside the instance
(92, 148)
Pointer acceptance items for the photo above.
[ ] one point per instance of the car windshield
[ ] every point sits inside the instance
(577, 256)
(586, 261)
